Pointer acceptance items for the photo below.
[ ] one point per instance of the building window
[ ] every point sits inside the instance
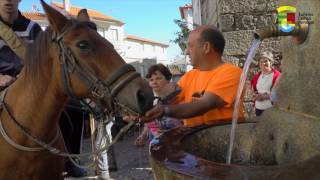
(114, 34)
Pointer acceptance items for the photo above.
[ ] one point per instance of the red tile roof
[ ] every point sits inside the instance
(73, 12)
(92, 13)
(136, 38)
(187, 6)
(34, 15)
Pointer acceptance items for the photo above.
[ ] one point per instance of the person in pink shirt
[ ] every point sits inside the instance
(159, 78)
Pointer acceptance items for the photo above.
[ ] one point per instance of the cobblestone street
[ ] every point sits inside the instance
(133, 163)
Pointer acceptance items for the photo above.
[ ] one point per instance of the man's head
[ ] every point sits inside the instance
(204, 43)
(266, 61)
(9, 10)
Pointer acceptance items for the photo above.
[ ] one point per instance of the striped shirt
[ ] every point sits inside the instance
(10, 63)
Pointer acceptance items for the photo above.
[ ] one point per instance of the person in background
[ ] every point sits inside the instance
(159, 77)
(264, 82)
(208, 91)
(25, 29)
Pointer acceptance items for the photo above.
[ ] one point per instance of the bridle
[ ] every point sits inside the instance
(99, 88)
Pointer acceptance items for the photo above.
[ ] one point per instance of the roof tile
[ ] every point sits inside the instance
(136, 38)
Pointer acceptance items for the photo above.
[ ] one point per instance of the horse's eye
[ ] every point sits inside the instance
(84, 46)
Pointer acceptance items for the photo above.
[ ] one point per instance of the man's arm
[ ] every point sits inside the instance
(195, 108)
(187, 110)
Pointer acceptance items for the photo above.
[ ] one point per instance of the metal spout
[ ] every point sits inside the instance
(300, 32)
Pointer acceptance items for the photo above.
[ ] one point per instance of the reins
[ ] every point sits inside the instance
(100, 89)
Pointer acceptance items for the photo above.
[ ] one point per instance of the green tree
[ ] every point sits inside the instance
(182, 35)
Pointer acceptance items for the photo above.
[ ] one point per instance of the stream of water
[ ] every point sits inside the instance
(252, 52)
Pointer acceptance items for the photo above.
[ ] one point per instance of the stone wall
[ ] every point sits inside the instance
(238, 19)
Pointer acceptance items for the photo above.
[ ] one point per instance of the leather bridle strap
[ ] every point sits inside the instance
(115, 76)
(118, 87)
(98, 87)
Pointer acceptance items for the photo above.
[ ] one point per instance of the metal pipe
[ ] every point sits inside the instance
(299, 32)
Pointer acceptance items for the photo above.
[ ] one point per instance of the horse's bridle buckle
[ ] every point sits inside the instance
(98, 93)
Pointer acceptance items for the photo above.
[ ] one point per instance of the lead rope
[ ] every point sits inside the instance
(54, 150)
(140, 149)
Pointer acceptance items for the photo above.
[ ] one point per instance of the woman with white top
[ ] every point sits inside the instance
(263, 83)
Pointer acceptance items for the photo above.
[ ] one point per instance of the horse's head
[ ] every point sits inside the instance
(89, 66)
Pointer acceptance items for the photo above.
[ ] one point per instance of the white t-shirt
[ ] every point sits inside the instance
(264, 85)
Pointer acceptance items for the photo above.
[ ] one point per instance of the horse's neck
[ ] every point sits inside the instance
(38, 112)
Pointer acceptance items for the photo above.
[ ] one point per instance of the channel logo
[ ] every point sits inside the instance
(286, 18)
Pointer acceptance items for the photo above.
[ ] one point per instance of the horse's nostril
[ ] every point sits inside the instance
(141, 98)
(144, 101)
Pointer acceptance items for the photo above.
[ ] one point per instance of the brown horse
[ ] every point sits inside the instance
(37, 98)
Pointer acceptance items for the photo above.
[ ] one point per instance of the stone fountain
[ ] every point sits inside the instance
(284, 143)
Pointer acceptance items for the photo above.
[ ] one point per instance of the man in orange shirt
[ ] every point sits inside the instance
(208, 91)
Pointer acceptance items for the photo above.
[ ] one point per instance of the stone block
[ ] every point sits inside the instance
(252, 22)
(264, 21)
(226, 22)
(246, 22)
(231, 59)
(210, 13)
(243, 6)
(239, 42)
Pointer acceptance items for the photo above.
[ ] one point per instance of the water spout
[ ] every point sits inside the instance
(300, 32)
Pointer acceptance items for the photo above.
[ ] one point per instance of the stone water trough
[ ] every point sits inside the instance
(283, 144)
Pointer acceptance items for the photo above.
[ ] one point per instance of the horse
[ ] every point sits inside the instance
(68, 59)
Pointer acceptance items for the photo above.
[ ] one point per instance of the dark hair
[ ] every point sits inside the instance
(214, 37)
(162, 69)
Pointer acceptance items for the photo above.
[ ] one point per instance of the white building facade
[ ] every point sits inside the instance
(140, 48)
(131, 48)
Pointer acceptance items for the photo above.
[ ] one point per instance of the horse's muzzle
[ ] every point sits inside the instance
(145, 99)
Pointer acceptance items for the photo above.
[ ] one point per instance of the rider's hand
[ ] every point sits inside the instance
(156, 112)
(6, 80)
(129, 118)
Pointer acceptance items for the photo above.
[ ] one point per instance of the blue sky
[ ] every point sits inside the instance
(152, 19)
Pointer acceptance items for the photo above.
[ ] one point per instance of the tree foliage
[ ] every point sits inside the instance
(182, 35)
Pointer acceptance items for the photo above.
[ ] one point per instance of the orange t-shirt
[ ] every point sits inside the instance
(222, 81)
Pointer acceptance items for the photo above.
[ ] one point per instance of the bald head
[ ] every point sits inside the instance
(211, 34)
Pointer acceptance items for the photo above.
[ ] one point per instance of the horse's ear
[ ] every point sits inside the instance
(55, 18)
(83, 15)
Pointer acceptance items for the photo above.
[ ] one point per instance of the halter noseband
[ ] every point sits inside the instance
(98, 87)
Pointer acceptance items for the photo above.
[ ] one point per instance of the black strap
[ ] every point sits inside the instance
(120, 72)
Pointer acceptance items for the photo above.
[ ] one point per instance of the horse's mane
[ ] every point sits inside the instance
(37, 62)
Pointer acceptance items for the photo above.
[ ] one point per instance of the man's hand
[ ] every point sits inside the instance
(129, 118)
(6, 80)
(154, 113)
